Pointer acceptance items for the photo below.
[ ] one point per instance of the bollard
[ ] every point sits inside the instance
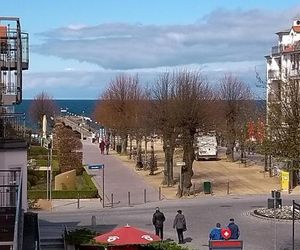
(93, 221)
(129, 199)
(159, 193)
(78, 200)
(112, 200)
(145, 198)
(228, 188)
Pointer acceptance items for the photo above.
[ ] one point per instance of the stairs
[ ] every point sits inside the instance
(52, 243)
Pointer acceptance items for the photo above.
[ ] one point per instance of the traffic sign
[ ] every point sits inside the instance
(96, 166)
(226, 233)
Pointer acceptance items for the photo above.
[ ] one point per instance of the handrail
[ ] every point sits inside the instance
(64, 237)
(16, 245)
(38, 246)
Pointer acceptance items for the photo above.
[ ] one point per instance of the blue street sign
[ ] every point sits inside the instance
(96, 166)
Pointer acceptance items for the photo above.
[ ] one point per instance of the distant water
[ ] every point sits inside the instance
(79, 107)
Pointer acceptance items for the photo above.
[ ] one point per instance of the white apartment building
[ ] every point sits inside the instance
(284, 61)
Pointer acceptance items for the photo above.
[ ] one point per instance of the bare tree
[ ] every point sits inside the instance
(192, 98)
(42, 104)
(118, 107)
(163, 114)
(234, 97)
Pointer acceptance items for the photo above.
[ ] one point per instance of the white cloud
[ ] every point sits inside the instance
(223, 41)
(221, 36)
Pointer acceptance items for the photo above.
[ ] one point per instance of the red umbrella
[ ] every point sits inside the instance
(127, 236)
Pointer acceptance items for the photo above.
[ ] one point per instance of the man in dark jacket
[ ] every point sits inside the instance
(235, 231)
(158, 222)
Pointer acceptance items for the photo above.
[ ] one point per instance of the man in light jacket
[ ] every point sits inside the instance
(180, 225)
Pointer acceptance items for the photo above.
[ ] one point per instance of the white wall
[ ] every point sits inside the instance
(16, 158)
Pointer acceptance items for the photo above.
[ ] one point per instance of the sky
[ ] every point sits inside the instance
(78, 47)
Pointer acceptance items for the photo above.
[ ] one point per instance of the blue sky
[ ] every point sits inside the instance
(77, 47)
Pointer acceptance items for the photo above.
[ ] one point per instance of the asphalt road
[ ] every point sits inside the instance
(201, 215)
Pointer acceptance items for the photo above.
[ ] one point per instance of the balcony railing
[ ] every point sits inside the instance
(12, 126)
(11, 212)
(274, 74)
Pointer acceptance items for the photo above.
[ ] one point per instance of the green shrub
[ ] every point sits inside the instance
(79, 236)
(164, 245)
(37, 150)
(63, 194)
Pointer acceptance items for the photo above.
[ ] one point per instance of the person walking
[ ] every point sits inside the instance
(180, 225)
(158, 222)
(107, 143)
(235, 231)
(215, 233)
(102, 146)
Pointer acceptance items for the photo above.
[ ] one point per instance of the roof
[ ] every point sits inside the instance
(282, 32)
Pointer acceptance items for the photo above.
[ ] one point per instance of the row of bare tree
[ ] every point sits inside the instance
(178, 103)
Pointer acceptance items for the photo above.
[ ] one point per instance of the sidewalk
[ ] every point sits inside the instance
(118, 181)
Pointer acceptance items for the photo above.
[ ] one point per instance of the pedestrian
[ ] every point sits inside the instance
(101, 146)
(180, 225)
(158, 222)
(235, 231)
(107, 143)
(215, 233)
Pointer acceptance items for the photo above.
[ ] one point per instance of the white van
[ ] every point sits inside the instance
(206, 147)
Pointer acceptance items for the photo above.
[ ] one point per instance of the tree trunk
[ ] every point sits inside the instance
(130, 147)
(146, 144)
(124, 144)
(139, 162)
(187, 170)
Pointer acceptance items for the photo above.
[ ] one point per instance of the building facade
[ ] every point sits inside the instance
(284, 61)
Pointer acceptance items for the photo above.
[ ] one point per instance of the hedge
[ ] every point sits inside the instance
(63, 194)
(37, 150)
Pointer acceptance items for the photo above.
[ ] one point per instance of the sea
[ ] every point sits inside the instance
(78, 107)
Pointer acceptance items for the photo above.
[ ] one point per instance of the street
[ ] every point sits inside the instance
(201, 215)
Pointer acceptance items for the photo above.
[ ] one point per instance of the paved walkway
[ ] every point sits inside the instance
(118, 179)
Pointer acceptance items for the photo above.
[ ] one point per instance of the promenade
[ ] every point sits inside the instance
(119, 179)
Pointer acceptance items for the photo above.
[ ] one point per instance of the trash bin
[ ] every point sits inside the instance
(207, 187)
(119, 149)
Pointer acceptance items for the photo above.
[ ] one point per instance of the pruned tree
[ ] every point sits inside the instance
(235, 106)
(192, 98)
(119, 105)
(42, 104)
(163, 114)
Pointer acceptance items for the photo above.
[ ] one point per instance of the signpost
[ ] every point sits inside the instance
(296, 208)
(180, 164)
(95, 167)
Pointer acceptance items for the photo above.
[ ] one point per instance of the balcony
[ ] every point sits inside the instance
(276, 50)
(12, 126)
(274, 74)
(11, 213)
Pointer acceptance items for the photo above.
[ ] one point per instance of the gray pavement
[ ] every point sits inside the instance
(118, 179)
(201, 215)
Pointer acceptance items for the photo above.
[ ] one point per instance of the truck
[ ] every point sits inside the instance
(206, 147)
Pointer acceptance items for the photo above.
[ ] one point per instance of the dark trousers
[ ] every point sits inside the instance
(180, 235)
(159, 231)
